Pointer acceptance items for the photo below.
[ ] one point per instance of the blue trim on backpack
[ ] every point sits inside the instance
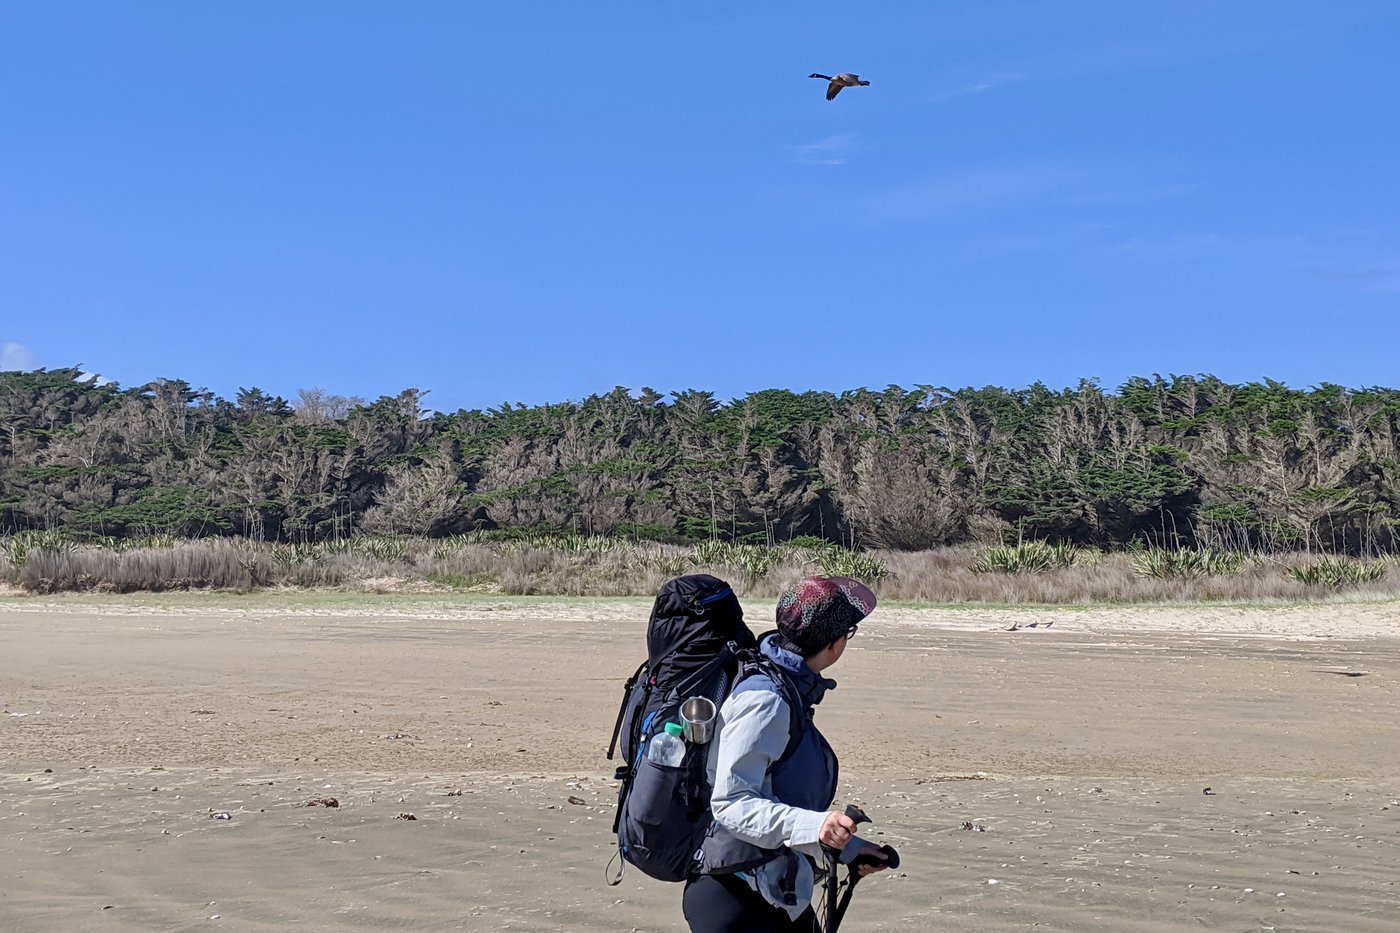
(706, 600)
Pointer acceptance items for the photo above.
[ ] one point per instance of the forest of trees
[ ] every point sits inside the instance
(1178, 461)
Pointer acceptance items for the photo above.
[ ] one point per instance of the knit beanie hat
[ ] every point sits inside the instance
(819, 610)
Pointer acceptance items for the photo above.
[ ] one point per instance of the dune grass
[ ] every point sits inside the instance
(1028, 573)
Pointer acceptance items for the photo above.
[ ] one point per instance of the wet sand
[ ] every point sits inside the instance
(1082, 750)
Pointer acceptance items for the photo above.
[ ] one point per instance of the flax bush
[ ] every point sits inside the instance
(15, 549)
(1165, 564)
(381, 548)
(1337, 572)
(669, 561)
(1026, 557)
(862, 566)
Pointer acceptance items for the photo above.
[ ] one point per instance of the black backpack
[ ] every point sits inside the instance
(697, 645)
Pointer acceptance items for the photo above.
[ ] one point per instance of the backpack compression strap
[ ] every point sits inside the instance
(622, 710)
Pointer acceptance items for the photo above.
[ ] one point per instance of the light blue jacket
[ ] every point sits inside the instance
(763, 801)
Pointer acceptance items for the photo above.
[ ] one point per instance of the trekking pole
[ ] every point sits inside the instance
(832, 887)
(836, 912)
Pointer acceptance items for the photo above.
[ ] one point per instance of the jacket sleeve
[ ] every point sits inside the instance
(752, 738)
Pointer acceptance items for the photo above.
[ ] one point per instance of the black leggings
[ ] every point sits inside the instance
(726, 904)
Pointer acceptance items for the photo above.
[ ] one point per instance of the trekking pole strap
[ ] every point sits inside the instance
(831, 920)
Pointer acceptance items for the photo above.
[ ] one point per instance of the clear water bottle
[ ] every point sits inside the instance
(667, 748)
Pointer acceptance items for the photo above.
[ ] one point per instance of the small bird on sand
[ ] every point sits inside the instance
(840, 81)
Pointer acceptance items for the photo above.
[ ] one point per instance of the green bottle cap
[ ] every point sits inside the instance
(675, 728)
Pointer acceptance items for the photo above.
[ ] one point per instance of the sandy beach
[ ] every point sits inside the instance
(1083, 746)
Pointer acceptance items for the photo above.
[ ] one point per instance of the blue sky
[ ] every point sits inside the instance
(536, 201)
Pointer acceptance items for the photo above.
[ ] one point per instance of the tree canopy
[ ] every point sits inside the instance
(1178, 460)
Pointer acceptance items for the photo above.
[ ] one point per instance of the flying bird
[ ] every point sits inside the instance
(840, 81)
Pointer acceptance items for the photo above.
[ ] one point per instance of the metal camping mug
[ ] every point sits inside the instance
(698, 720)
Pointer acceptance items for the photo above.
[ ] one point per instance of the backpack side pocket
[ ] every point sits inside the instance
(656, 791)
(656, 832)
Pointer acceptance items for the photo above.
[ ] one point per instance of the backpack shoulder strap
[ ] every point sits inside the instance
(752, 664)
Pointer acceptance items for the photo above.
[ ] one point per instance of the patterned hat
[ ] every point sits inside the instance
(819, 610)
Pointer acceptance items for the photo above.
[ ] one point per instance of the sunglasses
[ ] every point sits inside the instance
(851, 632)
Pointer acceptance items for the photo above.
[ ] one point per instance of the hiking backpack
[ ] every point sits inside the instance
(697, 645)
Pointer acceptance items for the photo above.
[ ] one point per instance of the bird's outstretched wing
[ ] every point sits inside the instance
(832, 90)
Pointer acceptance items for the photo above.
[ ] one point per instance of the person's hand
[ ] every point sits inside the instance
(837, 830)
(873, 851)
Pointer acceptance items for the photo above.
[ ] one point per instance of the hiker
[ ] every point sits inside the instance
(697, 647)
(756, 866)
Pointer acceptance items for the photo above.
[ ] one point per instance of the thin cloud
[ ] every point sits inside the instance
(1372, 276)
(1008, 187)
(1284, 251)
(981, 87)
(16, 357)
(832, 150)
(1080, 235)
(1196, 241)
(1128, 54)
(1149, 50)
(1103, 59)
(1317, 255)
(1051, 184)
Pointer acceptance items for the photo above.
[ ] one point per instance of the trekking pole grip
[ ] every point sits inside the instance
(891, 856)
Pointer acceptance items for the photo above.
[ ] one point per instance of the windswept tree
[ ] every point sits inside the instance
(1083, 469)
(319, 407)
(1172, 460)
(418, 499)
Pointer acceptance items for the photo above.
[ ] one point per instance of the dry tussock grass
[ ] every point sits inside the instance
(187, 565)
(594, 568)
(946, 576)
